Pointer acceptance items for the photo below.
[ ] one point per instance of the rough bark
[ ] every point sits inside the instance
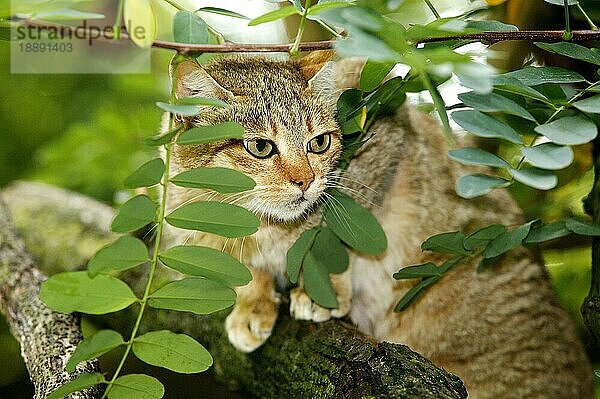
(47, 338)
(590, 309)
(300, 360)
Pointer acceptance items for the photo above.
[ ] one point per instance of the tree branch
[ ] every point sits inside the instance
(300, 359)
(47, 338)
(228, 47)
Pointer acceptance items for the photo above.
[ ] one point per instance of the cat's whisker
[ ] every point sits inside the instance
(350, 180)
(337, 210)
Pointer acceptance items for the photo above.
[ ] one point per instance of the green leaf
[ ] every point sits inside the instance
(562, 2)
(547, 232)
(297, 253)
(536, 178)
(134, 214)
(215, 217)
(533, 76)
(475, 185)
(207, 262)
(221, 11)
(206, 101)
(146, 175)
(348, 107)
(317, 283)
(162, 139)
(140, 18)
(329, 250)
(66, 15)
(196, 295)
(483, 236)
(493, 102)
(451, 242)
(209, 134)
(76, 292)
(582, 228)
(373, 74)
(95, 346)
(571, 50)
(354, 225)
(483, 125)
(274, 15)
(512, 85)
(176, 352)
(183, 110)
(223, 180)
(590, 105)
(507, 241)
(82, 381)
(189, 28)
(477, 156)
(548, 156)
(425, 270)
(415, 292)
(570, 130)
(319, 8)
(126, 252)
(136, 386)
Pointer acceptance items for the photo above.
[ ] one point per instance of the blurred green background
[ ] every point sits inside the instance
(85, 133)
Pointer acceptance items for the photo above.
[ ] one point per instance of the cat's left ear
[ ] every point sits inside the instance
(318, 69)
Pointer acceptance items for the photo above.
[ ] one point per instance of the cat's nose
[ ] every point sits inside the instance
(303, 183)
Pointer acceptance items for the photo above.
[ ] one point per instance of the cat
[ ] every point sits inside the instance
(502, 330)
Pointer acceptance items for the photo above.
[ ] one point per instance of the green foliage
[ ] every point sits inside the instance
(96, 345)
(76, 292)
(194, 295)
(82, 381)
(207, 134)
(136, 386)
(206, 262)
(134, 214)
(215, 217)
(487, 244)
(147, 175)
(189, 28)
(355, 225)
(222, 180)
(95, 292)
(176, 352)
(123, 254)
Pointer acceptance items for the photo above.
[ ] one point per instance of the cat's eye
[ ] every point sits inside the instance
(319, 144)
(260, 148)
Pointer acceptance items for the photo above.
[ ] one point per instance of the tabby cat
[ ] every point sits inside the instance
(502, 331)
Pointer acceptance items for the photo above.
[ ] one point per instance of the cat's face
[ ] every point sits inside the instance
(291, 143)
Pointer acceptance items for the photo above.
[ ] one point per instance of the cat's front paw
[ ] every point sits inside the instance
(249, 325)
(302, 307)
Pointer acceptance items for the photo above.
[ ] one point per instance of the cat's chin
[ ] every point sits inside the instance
(285, 212)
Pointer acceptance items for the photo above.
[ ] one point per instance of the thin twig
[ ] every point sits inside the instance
(228, 47)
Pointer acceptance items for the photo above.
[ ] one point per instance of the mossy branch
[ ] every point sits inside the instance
(47, 338)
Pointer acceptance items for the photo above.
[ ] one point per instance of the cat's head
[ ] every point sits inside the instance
(292, 141)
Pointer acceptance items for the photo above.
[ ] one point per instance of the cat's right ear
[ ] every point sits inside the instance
(192, 80)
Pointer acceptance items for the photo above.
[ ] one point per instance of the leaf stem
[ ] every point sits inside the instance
(296, 46)
(587, 17)
(153, 264)
(440, 106)
(432, 8)
(567, 35)
(118, 17)
(174, 4)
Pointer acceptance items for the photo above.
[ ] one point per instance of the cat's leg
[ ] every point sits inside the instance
(250, 323)
(302, 306)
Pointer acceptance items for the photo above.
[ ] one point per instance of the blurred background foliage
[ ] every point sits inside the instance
(85, 133)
